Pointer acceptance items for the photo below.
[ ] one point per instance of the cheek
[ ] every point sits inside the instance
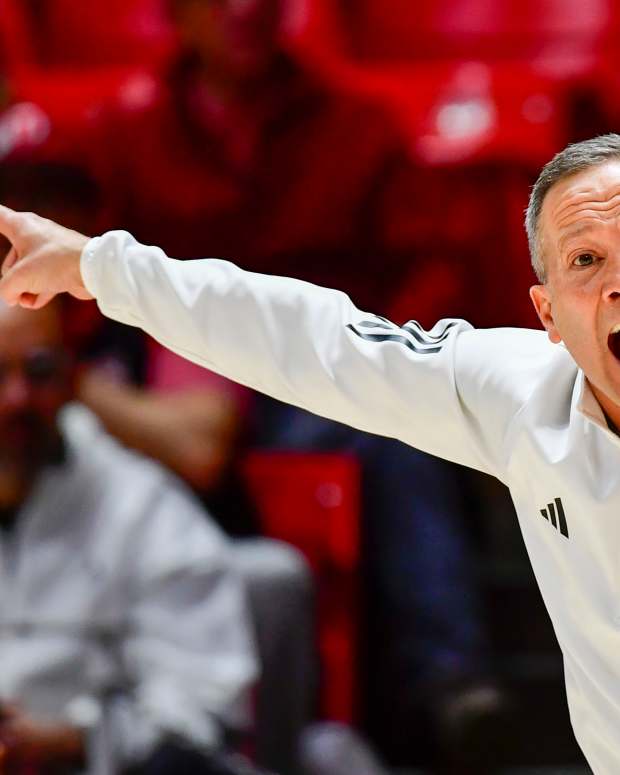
(575, 320)
(576, 324)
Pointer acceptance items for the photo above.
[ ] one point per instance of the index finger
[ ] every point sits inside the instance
(9, 223)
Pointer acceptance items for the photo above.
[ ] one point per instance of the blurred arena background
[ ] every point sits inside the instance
(384, 147)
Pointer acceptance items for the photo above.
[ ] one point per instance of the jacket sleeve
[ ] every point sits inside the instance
(189, 653)
(311, 347)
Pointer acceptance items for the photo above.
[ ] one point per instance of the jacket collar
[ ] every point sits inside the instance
(587, 405)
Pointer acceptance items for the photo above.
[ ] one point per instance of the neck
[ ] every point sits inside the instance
(611, 410)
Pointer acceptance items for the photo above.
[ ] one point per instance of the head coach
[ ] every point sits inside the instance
(541, 412)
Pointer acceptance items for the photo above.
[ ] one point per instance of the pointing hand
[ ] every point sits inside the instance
(44, 260)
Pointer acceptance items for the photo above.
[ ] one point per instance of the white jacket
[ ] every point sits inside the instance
(504, 401)
(116, 590)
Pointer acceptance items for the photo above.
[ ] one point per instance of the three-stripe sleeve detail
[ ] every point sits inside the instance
(411, 334)
(421, 335)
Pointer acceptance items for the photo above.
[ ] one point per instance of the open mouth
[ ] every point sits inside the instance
(613, 341)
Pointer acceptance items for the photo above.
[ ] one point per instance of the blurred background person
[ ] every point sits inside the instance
(248, 155)
(192, 421)
(122, 614)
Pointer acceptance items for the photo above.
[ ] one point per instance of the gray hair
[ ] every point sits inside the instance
(574, 158)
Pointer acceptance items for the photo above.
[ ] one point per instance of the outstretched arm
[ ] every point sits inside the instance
(300, 343)
(450, 391)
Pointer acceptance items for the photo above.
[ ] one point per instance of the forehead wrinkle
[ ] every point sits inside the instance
(576, 203)
(585, 210)
(575, 196)
(603, 215)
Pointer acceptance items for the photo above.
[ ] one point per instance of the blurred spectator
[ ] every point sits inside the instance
(246, 155)
(191, 420)
(122, 615)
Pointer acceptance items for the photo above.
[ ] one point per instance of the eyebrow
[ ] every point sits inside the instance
(574, 232)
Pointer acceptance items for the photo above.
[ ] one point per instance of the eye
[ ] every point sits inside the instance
(584, 259)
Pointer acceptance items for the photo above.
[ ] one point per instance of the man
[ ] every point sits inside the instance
(541, 418)
(125, 641)
(239, 141)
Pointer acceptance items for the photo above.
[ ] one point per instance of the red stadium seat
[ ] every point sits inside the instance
(455, 113)
(464, 92)
(312, 502)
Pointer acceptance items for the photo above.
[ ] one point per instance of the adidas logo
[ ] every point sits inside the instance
(554, 513)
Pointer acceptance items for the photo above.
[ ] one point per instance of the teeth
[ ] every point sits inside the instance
(615, 329)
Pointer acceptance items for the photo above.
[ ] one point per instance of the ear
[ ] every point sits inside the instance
(539, 294)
